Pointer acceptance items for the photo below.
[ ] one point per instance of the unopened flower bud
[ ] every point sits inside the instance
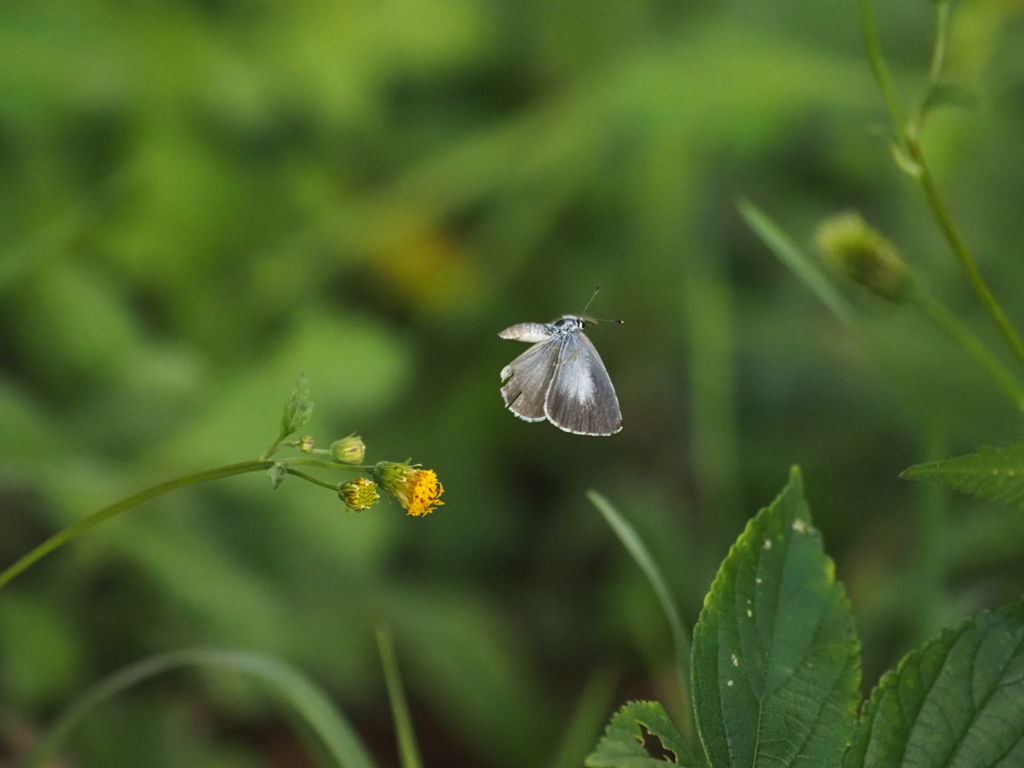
(349, 450)
(846, 241)
(358, 494)
(306, 444)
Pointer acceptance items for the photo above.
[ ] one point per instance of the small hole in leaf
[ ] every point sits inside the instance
(657, 750)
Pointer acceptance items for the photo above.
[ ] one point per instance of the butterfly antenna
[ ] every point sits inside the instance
(596, 291)
(596, 319)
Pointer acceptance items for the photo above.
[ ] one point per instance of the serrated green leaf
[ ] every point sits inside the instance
(991, 473)
(626, 740)
(949, 95)
(956, 702)
(775, 657)
(299, 408)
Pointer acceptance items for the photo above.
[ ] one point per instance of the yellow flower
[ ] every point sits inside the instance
(417, 490)
(358, 494)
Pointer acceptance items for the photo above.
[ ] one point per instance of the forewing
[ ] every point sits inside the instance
(530, 375)
(580, 396)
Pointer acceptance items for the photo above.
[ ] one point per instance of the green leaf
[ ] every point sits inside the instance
(775, 656)
(298, 410)
(956, 702)
(309, 702)
(627, 744)
(991, 473)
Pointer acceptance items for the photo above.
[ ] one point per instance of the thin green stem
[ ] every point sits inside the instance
(948, 322)
(878, 66)
(305, 461)
(73, 531)
(273, 448)
(409, 752)
(311, 479)
(944, 12)
(908, 140)
(959, 248)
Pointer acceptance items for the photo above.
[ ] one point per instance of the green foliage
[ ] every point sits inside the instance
(298, 410)
(991, 473)
(202, 198)
(958, 700)
(633, 544)
(308, 701)
(775, 656)
(627, 742)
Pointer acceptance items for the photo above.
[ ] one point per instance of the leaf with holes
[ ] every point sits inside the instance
(956, 702)
(775, 658)
(628, 742)
(991, 473)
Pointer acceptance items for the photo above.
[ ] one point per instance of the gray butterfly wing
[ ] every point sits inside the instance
(530, 374)
(580, 397)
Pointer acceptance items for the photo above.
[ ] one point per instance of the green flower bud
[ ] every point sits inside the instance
(349, 450)
(358, 494)
(306, 444)
(847, 242)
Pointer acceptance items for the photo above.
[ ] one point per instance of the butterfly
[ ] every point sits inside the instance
(561, 378)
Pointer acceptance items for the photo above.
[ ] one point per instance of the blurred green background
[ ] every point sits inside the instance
(200, 200)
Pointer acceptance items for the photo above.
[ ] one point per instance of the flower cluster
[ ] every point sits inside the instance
(417, 490)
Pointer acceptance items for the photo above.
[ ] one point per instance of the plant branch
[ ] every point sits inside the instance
(909, 144)
(948, 322)
(73, 531)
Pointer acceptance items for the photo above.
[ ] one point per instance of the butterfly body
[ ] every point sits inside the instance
(560, 378)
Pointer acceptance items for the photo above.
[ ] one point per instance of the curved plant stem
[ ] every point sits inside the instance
(944, 11)
(910, 147)
(311, 479)
(956, 243)
(878, 65)
(948, 322)
(311, 704)
(73, 531)
(408, 750)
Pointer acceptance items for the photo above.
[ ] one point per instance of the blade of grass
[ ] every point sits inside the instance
(639, 552)
(312, 705)
(408, 750)
(588, 718)
(799, 263)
